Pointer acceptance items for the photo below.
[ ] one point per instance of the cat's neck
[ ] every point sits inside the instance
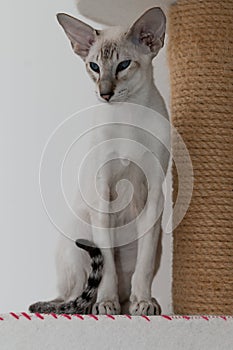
(149, 96)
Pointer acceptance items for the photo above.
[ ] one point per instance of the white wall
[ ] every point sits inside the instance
(42, 83)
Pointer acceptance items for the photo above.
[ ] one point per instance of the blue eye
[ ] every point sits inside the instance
(94, 67)
(123, 65)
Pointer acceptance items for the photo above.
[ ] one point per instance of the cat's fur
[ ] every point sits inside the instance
(128, 270)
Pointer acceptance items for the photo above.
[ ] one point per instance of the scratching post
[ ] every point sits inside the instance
(201, 66)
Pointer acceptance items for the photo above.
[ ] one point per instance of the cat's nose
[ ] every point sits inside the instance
(107, 96)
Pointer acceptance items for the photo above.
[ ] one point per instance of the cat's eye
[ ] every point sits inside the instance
(94, 67)
(123, 65)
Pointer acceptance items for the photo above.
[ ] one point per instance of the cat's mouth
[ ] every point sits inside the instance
(106, 100)
(103, 99)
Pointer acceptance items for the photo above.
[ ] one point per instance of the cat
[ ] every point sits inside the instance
(119, 61)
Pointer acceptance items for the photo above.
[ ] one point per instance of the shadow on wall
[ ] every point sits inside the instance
(119, 12)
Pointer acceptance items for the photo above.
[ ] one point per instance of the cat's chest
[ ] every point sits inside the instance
(128, 191)
(122, 175)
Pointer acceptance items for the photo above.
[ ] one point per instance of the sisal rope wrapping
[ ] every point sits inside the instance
(201, 68)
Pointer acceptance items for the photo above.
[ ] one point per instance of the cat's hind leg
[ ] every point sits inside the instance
(73, 267)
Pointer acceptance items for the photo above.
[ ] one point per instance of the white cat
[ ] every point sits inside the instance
(119, 60)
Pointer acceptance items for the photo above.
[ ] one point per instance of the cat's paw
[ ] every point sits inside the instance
(108, 307)
(46, 307)
(145, 307)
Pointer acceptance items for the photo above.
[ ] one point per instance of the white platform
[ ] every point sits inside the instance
(39, 332)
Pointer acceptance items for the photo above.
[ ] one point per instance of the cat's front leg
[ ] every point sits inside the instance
(107, 301)
(141, 302)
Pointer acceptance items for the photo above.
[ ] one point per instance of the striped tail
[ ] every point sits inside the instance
(83, 303)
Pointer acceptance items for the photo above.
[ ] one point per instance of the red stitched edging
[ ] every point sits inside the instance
(94, 316)
(26, 315)
(128, 316)
(145, 317)
(167, 317)
(39, 315)
(67, 316)
(111, 316)
(186, 317)
(79, 316)
(205, 318)
(223, 317)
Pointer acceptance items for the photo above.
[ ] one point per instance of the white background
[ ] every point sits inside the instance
(42, 83)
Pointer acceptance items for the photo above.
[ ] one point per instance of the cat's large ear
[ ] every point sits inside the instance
(81, 35)
(149, 31)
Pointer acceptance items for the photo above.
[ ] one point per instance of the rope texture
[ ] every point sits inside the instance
(201, 67)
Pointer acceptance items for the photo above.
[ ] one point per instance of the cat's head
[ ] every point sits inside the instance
(118, 59)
